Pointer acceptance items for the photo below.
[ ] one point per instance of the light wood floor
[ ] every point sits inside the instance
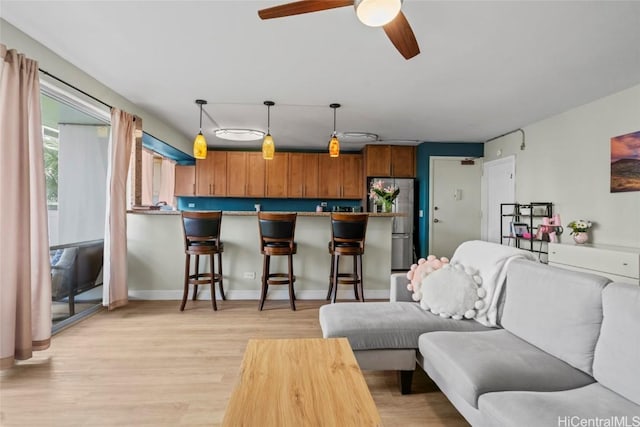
(147, 364)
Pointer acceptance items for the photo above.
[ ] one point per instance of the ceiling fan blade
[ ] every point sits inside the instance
(401, 35)
(300, 7)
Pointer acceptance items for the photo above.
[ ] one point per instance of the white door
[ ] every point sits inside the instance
(455, 207)
(499, 182)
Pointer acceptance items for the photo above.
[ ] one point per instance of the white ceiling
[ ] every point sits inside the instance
(486, 67)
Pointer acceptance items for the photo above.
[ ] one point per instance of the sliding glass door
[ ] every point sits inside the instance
(76, 135)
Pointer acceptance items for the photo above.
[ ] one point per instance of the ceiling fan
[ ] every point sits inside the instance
(375, 13)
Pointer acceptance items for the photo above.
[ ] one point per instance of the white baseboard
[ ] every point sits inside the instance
(277, 294)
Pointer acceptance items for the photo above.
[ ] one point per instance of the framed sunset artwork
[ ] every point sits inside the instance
(625, 162)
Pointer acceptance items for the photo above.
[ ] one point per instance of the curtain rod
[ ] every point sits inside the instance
(74, 87)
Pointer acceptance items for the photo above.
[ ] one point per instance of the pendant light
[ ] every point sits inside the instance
(334, 144)
(200, 144)
(268, 147)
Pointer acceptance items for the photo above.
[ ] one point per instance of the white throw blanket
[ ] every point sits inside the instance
(491, 260)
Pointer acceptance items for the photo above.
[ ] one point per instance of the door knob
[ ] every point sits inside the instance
(436, 220)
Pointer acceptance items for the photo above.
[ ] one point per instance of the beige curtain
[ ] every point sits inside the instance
(115, 290)
(167, 182)
(25, 277)
(147, 178)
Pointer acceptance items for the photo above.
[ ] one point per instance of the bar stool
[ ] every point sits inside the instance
(276, 239)
(202, 237)
(347, 239)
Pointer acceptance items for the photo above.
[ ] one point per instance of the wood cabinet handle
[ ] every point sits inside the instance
(194, 189)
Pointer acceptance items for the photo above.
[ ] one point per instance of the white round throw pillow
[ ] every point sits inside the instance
(453, 291)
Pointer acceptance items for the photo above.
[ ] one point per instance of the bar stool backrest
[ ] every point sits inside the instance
(348, 229)
(201, 227)
(276, 228)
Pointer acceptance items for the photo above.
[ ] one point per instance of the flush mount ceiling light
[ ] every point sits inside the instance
(376, 13)
(268, 147)
(334, 144)
(239, 134)
(357, 136)
(200, 144)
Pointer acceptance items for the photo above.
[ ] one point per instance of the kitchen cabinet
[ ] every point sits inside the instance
(185, 181)
(390, 161)
(340, 177)
(277, 175)
(255, 177)
(352, 182)
(403, 161)
(245, 174)
(211, 174)
(303, 175)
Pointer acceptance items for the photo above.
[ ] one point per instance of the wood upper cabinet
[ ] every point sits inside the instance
(340, 177)
(378, 160)
(256, 169)
(277, 175)
(211, 174)
(352, 182)
(236, 173)
(390, 161)
(403, 161)
(329, 176)
(185, 181)
(303, 175)
(245, 174)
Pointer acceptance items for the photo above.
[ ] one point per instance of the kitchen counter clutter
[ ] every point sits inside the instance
(254, 213)
(156, 257)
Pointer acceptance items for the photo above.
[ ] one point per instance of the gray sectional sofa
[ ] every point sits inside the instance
(566, 349)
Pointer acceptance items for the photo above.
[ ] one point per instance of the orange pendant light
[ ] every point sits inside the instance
(268, 147)
(200, 144)
(334, 144)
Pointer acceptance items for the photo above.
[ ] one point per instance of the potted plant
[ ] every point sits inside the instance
(382, 195)
(579, 230)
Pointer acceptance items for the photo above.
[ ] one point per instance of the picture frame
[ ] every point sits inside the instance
(519, 229)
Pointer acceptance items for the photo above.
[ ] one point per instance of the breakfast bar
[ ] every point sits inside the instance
(156, 256)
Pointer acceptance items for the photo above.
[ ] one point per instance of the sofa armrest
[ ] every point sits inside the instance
(399, 291)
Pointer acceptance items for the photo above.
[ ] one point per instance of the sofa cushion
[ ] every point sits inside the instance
(559, 408)
(477, 363)
(557, 310)
(384, 325)
(617, 360)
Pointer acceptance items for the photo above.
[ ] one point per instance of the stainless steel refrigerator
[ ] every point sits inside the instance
(402, 248)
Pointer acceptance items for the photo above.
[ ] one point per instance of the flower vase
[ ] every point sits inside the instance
(387, 207)
(581, 237)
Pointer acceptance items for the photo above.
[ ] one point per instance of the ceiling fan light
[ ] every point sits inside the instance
(200, 147)
(268, 147)
(334, 147)
(376, 13)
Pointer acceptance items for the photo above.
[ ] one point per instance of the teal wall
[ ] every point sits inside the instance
(247, 204)
(424, 153)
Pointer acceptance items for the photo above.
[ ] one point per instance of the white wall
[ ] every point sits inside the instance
(13, 38)
(567, 161)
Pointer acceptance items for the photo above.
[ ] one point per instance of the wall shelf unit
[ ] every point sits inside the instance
(524, 221)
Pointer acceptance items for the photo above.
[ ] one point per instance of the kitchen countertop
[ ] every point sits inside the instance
(254, 213)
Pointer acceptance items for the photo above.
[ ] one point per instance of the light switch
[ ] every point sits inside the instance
(457, 195)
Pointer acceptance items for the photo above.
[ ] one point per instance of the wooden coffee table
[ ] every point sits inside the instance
(301, 382)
